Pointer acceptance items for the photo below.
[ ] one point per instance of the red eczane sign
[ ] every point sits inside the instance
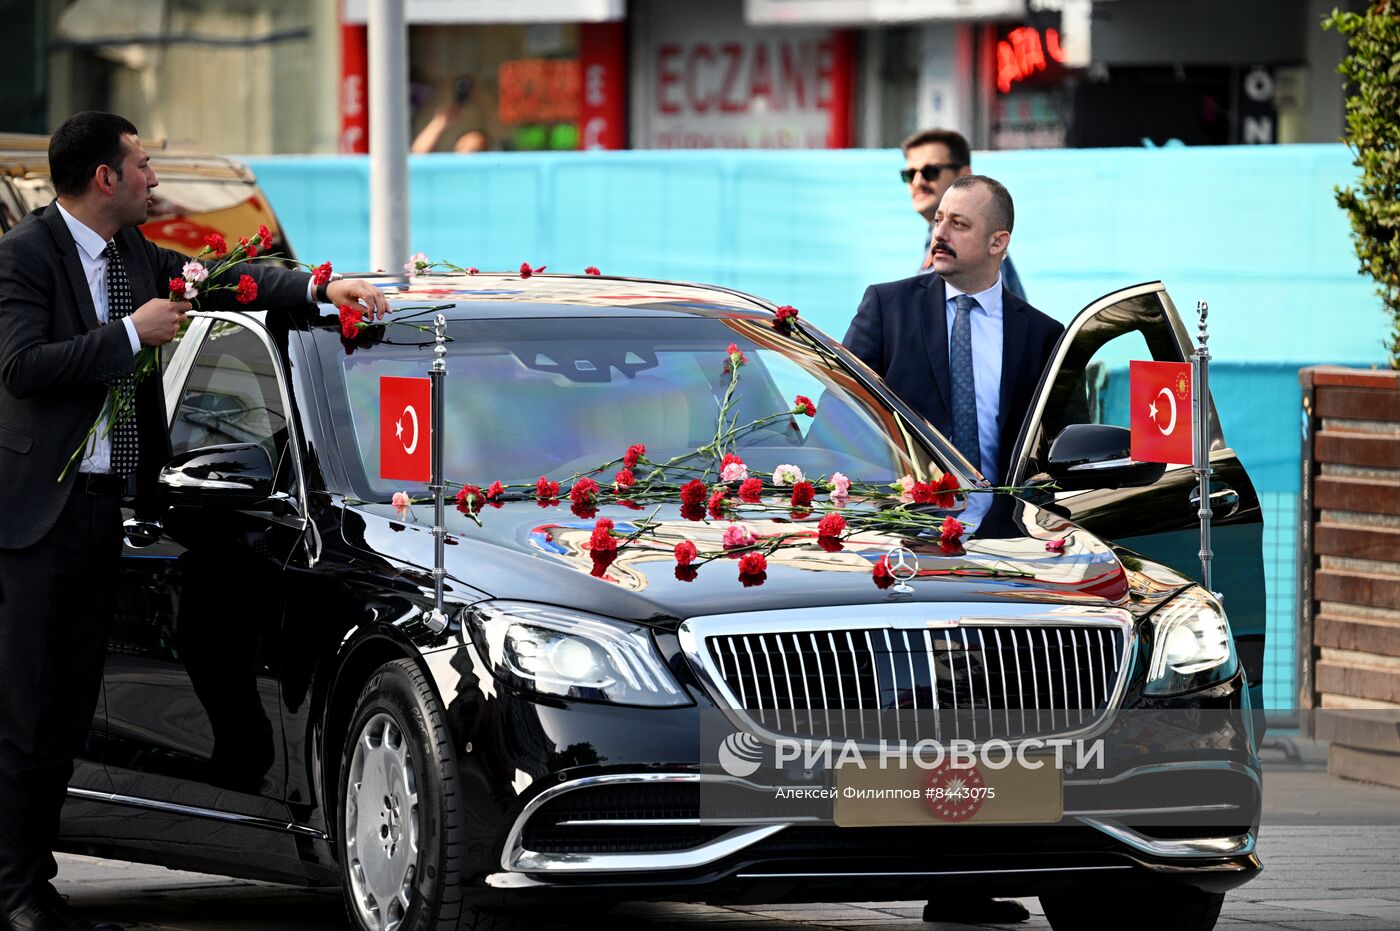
(603, 108)
(405, 428)
(1160, 411)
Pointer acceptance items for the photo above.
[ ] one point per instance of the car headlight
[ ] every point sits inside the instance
(1192, 645)
(553, 651)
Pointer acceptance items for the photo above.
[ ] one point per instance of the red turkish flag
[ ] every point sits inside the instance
(405, 428)
(1160, 411)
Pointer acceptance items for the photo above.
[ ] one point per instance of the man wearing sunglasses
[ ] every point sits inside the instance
(934, 159)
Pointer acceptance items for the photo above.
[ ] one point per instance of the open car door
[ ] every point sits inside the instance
(1086, 382)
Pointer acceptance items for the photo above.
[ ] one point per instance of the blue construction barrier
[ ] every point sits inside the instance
(1252, 229)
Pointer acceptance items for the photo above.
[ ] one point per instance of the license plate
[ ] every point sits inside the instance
(885, 795)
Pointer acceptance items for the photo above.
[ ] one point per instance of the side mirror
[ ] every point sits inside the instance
(234, 474)
(1095, 455)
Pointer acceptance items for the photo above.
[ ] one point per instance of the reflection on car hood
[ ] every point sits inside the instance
(526, 552)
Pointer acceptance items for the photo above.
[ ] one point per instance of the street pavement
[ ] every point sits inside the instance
(1331, 850)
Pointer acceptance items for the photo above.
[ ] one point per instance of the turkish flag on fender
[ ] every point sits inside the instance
(1160, 411)
(405, 428)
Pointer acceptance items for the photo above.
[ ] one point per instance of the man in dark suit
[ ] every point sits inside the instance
(81, 291)
(934, 159)
(965, 353)
(913, 334)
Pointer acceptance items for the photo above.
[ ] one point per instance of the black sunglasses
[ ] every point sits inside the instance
(929, 172)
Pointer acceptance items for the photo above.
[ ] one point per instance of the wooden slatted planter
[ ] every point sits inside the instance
(1349, 568)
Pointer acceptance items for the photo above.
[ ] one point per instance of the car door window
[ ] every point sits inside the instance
(1089, 378)
(232, 395)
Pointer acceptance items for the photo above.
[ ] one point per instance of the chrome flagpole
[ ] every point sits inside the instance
(1200, 436)
(437, 620)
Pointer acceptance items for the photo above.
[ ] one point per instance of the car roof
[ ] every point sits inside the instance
(27, 154)
(506, 294)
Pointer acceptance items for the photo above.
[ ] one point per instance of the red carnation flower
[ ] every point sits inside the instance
(752, 564)
(584, 492)
(802, 494)
(946, 486)
(736, 358)
(526, 271)
(786, 315)
(634, 452)
(693, 493)
(247, 291)
(473, 271)
(685, 553)
(545, 489)
(693, 511)
(601, 560)
(602, 539)
(832, 525)
(216, 243)
(250, 248)
(469, 499)
(750, 490)
(321, 274)
(686, 573)
(880, 573)
(495, 491)
(804, 405)
(592, 270)
(923, 493)
(952, 530)
(177, 289)
(624, 479)
(349, 321)
(716, 504)
(265, 236)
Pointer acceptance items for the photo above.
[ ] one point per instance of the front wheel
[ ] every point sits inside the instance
(1163, 908)
(401, 833)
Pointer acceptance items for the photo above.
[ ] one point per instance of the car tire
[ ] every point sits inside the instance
(1164, 908)
(401, 830)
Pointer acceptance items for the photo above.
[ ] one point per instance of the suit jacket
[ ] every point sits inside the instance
(56, 361)
(901, 331)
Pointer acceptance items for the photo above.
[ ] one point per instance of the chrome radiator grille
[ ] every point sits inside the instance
(970, 680)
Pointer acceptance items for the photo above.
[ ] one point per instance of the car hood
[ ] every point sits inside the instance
(525, 552)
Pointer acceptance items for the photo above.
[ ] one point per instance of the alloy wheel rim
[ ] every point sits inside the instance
(381, 824)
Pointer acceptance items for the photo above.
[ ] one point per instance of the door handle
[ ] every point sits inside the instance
(1224, 500)
(142, 533)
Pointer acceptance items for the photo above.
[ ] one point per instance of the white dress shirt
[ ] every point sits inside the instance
(986, 369)
(90, 246)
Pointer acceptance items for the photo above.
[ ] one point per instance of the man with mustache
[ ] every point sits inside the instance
(934, 159)
(966, 353)
(957, 345)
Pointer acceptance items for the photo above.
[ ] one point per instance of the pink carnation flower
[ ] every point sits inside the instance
(736, 536)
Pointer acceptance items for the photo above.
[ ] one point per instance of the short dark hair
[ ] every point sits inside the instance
(81, 143)
(1003, 210)
(957, 145)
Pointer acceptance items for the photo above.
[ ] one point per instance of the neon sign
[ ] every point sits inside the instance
(1022, 53)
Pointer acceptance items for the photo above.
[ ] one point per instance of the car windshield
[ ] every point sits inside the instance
(560, 397)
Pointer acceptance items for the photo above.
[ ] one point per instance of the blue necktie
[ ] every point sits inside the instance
(964, 387)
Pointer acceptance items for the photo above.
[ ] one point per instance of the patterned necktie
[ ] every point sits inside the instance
(965, 436)
(125, 450)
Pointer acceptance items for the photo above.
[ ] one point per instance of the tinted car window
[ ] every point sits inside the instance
(558, 396)
(231, 395)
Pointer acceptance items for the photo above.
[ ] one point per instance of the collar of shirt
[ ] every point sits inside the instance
(988, 301)
(89, 241)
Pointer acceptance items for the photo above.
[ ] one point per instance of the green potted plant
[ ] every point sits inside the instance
(1349, 526)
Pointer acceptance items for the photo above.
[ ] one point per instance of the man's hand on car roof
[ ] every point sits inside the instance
(358, 293)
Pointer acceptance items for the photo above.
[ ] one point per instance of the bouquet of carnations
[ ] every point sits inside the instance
(203, 274)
